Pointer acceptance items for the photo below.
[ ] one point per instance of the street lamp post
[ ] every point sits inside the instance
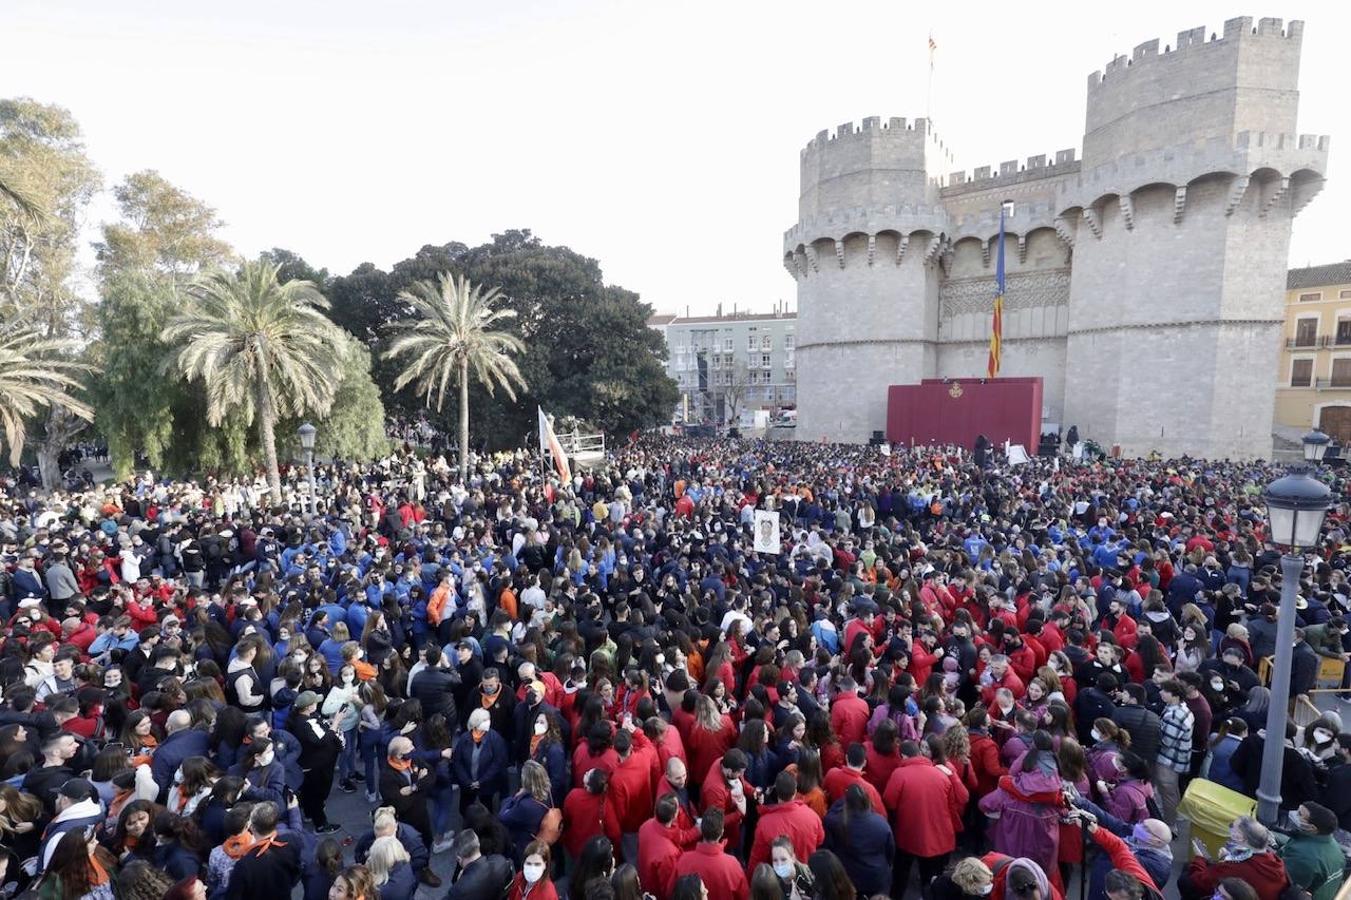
(1296, 506)
(307, 433)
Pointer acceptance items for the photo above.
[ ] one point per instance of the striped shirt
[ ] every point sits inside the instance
(1175, 730)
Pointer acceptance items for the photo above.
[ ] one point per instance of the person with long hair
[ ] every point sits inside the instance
(353, 883)
(391, 869)
(711, 735)
(139, 880)
(862, 839)
(830, 880)
(79, 869)
(524, 811)
(597, 860)
(1027, 805)
(178, 845)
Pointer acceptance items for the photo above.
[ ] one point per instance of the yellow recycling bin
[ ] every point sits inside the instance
(1212, 808)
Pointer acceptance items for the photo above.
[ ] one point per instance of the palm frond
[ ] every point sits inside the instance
(36, 371)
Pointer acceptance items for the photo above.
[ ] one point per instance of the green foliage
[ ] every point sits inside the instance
(589, 350)
(262, 349)
(33, 374)
(164, 230)
(354, 428)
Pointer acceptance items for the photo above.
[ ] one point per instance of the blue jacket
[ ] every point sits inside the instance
(522, 814)
(492, 765)
(402, 883)
(418, 856)
(263, 784)
(1220, 770)
(865, 847)
(170, 755)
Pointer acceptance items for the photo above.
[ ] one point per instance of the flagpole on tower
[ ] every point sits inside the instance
(929, 92)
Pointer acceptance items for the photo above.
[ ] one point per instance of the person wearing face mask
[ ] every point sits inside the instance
(479, 761)
(1312, 857)
(1247, 854)
(533, 881)
(264, 777)
(966, 879)
(1320, 736)
(342, 708)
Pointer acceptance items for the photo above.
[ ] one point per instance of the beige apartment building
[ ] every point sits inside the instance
(1313, 385)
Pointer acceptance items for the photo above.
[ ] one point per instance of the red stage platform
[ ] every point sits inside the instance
(956, 410)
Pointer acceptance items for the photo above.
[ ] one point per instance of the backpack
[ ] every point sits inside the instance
(551, 826)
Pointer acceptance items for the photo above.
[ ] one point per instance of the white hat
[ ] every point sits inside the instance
(29, 602)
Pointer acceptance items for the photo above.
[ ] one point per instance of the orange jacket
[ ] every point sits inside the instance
(436, 605)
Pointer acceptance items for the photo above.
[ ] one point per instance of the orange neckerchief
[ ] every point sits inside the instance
(148, 742)
(100, 874)
(488, 701)
(130, 841)
(120, 800)
(237, 844)
(182, 799)
(399, 765)
(266, 844)
(477, 736)
(534, 743)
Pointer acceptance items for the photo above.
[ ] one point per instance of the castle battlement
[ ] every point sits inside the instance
(1192, 41)
(1172, 216)
(1011, 172)
(896, 126)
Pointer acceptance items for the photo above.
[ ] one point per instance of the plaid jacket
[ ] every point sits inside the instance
(1175, 729)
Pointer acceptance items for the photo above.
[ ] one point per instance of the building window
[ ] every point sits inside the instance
(788, 341)
(1301, 373)
(1311, 298)
(1341, 372)
(750, 342)
(766, 342)
(727, 344)
(1344, 331)
(764, 360)
(1306, 332)
(1344, 295)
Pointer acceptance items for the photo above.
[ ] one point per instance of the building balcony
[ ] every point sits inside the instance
(1333, 384)
(1322, 342)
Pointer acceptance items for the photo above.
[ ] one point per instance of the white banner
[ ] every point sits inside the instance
(767, 538)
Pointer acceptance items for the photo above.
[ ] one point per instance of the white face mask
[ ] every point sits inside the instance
(1096, 734)
(541, 727)
(1217, 684)
(783, 870)
(1322, 735)
(265, 759)
(533, 872)
(985, 889)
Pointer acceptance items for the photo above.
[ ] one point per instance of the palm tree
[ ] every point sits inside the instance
(451, 336)
(259, 346)
(32, 377)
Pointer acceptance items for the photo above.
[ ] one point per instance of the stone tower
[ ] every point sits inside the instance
(1144, 282)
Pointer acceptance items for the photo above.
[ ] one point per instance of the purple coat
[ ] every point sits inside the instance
(1102, 762)
(1129, 801)
(1026, 808)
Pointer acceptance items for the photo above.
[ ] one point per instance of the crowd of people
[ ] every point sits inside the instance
(949, 680)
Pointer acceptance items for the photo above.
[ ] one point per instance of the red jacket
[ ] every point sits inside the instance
(1010, 681)
(631, 786)
(986, 763)
(583, 762)
(545, 890)
(838, 780)
(849, 714)
(722, 875)
(877, 771)
(586, 816)
(1264, 871)
(794, 819)
(657, 858)
(926, 806)
(707, 747)
(672, 745)
(717, 794)
(1126, 632)
(1121, 856)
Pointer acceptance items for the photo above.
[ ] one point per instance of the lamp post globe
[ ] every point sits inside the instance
(307, 433)
(1296, 506)
(1315, 446)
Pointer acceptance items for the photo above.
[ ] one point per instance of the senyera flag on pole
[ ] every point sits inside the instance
(997, 325)
(548, 443)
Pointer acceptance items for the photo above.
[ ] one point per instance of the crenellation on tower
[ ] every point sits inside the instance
(1174, 221)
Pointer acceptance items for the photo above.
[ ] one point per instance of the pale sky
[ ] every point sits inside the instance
(659, 138)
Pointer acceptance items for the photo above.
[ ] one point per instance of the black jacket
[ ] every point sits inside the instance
(272, 873)
(435, 690)
(1143, 727)
(486, 878)
(1304, 664)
